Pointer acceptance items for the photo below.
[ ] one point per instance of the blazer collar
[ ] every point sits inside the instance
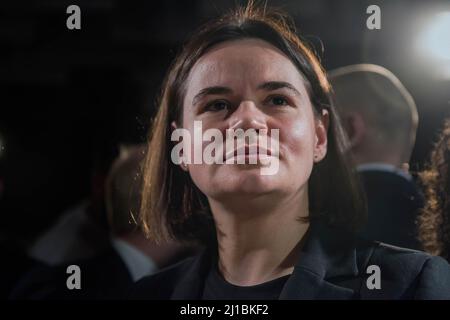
(327, 253)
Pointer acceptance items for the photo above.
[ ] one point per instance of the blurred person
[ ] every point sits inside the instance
(81, 231)
(130, 255)
(288, 235)
(75, 235)
(380, 118)
(434, 219)
(123, 195)
(15, 262)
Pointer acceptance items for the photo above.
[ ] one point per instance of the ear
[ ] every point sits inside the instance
(322, 123)
(405, 167)
(183, 165)
(355, 127)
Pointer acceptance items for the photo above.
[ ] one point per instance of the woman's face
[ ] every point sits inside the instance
(249, 84)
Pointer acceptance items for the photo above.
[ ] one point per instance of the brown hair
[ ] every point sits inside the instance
(172, 206)
(434, 219)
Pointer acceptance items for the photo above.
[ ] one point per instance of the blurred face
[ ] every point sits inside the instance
(249, 84)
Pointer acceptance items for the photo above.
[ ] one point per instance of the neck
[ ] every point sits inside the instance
(259, 238)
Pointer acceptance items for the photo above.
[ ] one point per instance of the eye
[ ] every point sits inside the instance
(278, 101)
(217, 105)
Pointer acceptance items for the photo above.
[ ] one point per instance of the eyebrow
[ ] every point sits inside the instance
(275, 85)
(210, 91)
(267, 86)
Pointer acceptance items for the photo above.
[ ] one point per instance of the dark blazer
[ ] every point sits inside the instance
(332, 265)
(393, 203)
(102, 277)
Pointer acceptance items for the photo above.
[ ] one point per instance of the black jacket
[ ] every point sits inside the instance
(332, 265)
(393, 203)
(102, 277)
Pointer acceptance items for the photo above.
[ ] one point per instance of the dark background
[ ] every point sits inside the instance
(69, 97)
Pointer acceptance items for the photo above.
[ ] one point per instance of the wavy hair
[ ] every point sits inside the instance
(434, 219)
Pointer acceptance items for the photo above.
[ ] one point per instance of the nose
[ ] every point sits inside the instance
(247, 116)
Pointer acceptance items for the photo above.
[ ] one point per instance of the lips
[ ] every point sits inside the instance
(248, 151)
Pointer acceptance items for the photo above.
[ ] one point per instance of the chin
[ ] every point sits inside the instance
(251, 182)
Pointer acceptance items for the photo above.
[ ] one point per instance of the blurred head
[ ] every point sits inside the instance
(434, 220)
(378, 113)
(123, 191)
(246, 70)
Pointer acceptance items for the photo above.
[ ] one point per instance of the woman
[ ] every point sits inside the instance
(434, 220)
(289, 235)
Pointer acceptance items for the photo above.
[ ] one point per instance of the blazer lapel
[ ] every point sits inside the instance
(305, 285)
(327, 253)
(190, 286)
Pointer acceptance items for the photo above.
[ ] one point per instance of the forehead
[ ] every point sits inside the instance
(241, 63)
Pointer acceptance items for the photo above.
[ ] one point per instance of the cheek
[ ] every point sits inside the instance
(297, 136)
(201, 145)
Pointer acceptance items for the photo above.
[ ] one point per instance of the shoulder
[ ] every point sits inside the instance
(103, 276)
(394, 257)
(408, 274)
(379, 182)
(159, 286)
(41, 282)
